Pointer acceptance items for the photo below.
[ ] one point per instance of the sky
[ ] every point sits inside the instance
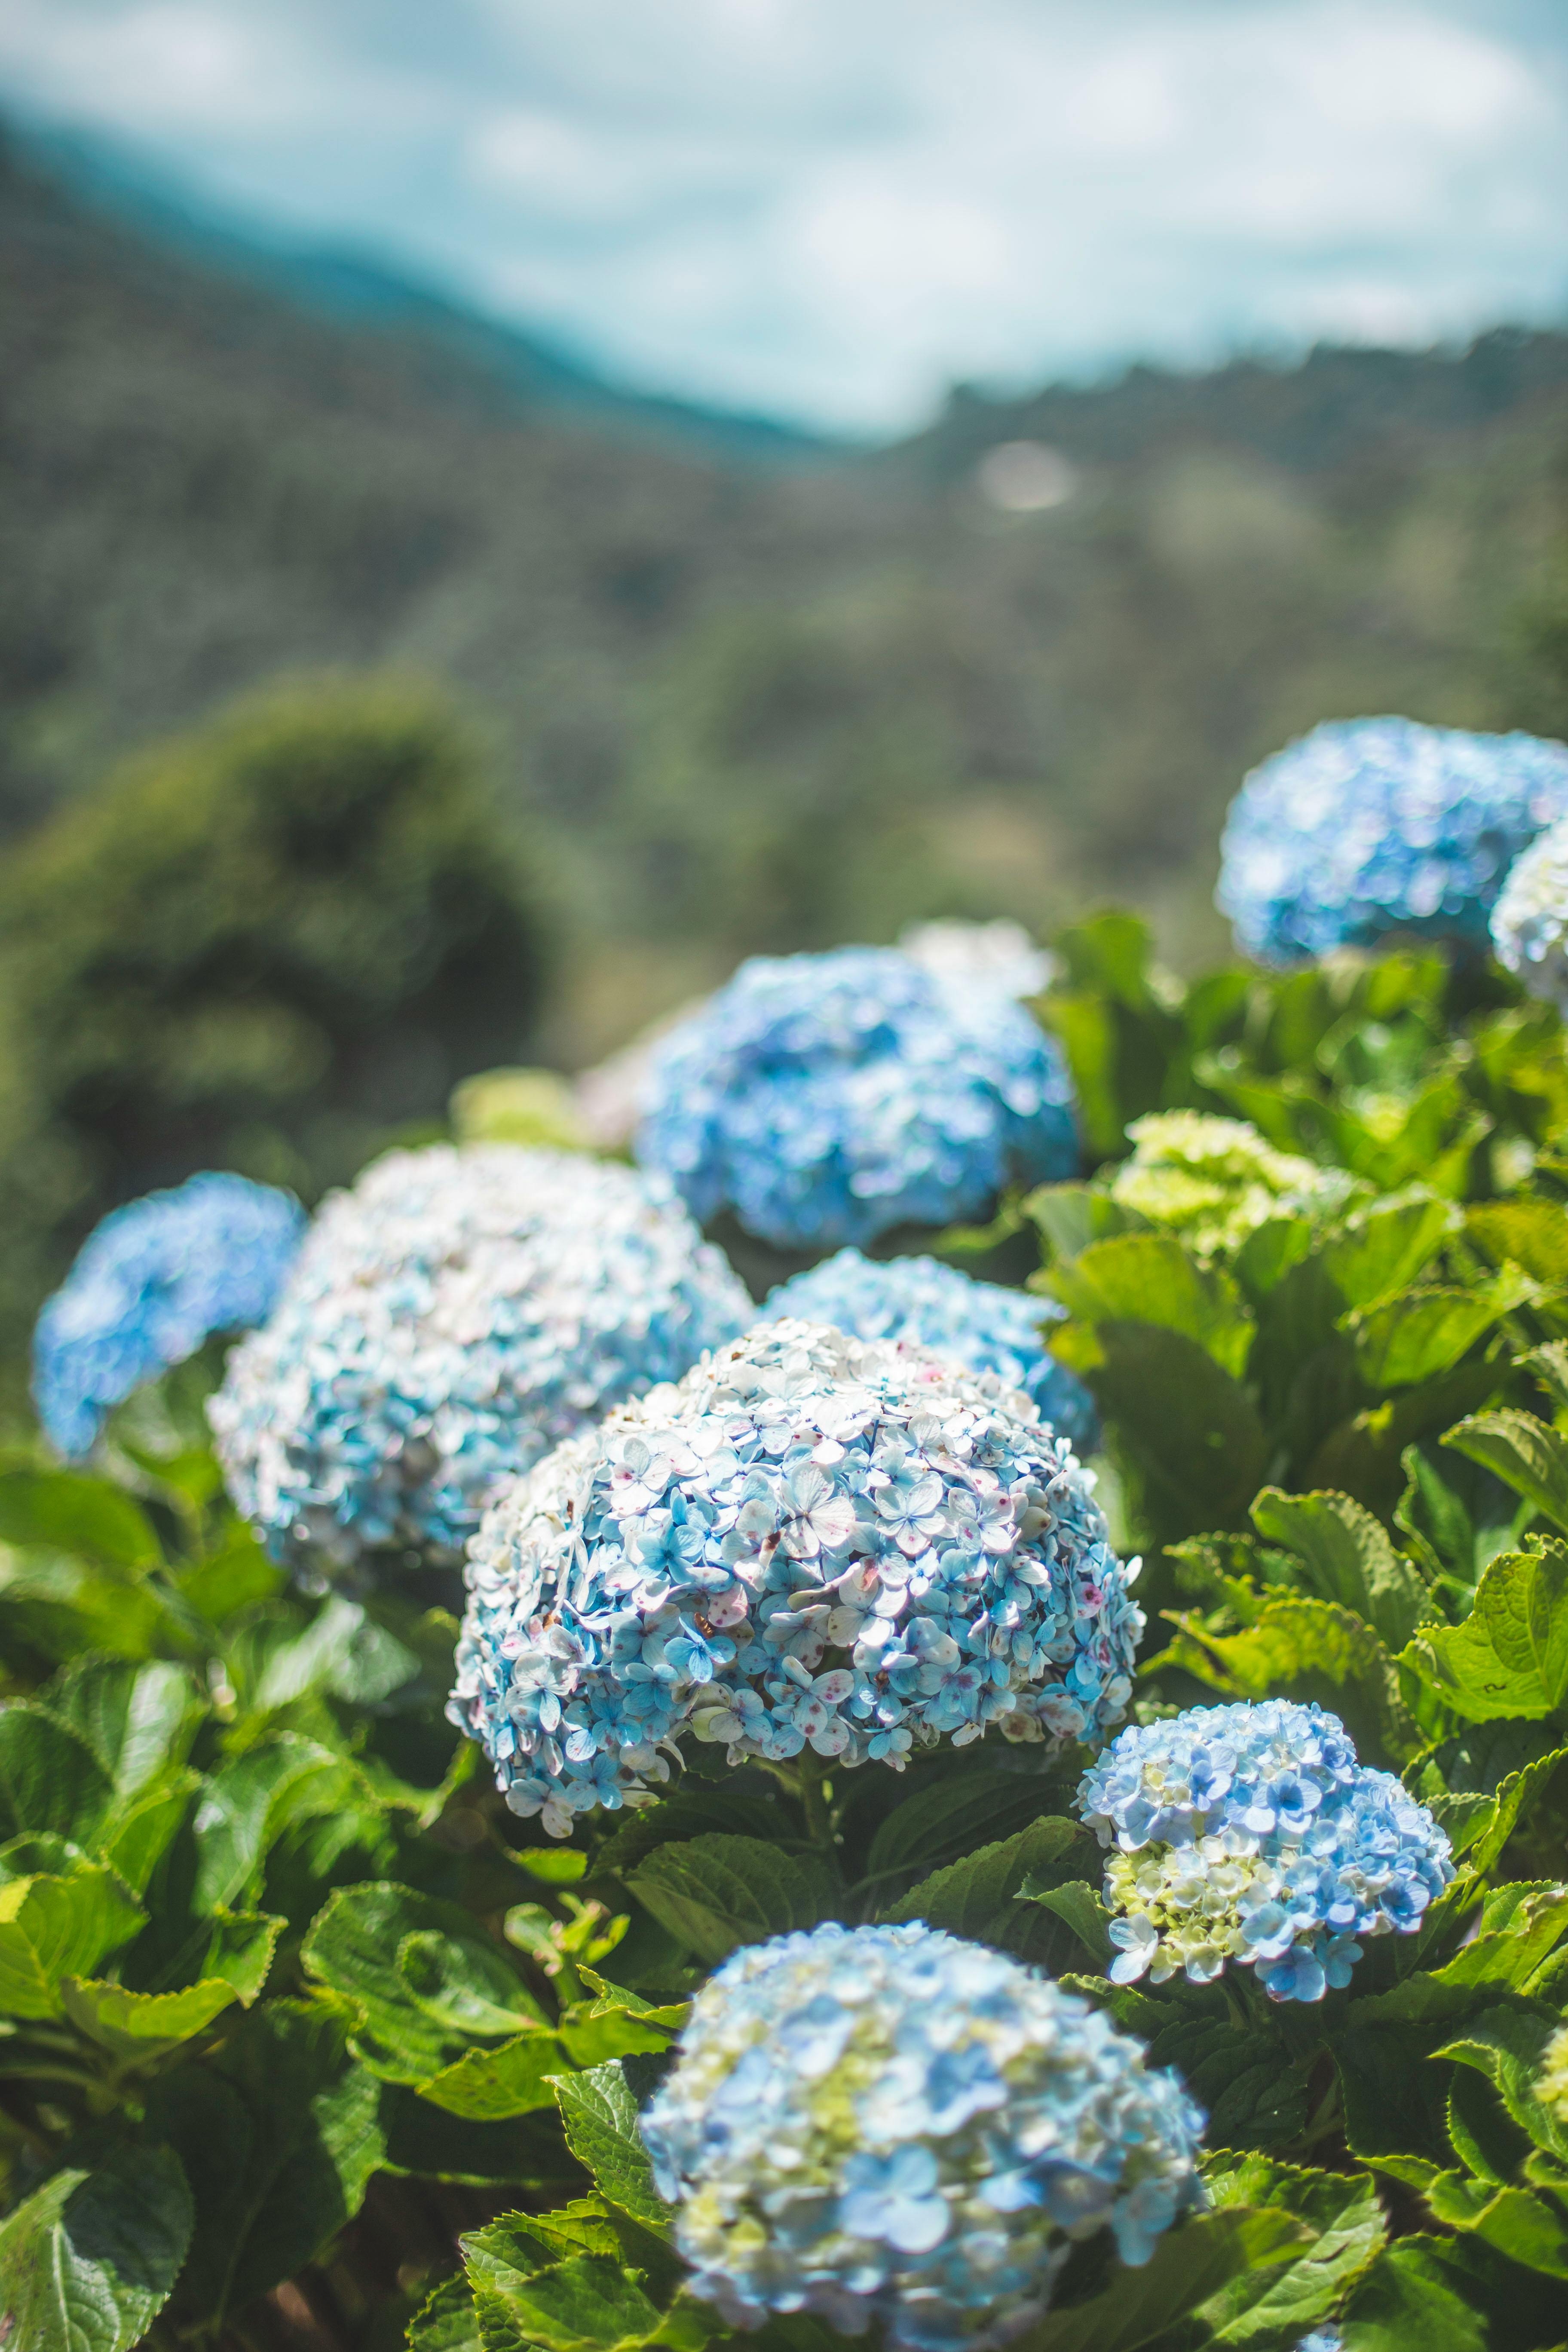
(830, 210)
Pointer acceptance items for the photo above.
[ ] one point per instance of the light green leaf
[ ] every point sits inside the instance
(1304, 1650)
(1416, 1337)
(601, 2119)
(251, 1799)
(1523, 1452)
(52, 1927)
(489, 2085)
(1382, 1250)
(445, 2321)
(142, 2026)
(421, 1977)
(1082, 1909)
(1417, 2297)
(63, 1510)
(1529, 1233)
(342, 1650)
(1349, 1559)
(1191, 2264)
(89, 2261)
(137, 1832)
(1280, 2304)
(1510, 1656)
(716, 1893)
(137, 1720)
(1150, 1278)
(1519, 2225)
(50, 1778)
(1506, 2044)
(587, 2303)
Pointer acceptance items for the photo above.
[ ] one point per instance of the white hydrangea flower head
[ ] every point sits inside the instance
(449, 1319)
(889, 2124)
(1214, 1180)
(997, 954)
(1529, 921)
(1551, 2083)
(856, 1546)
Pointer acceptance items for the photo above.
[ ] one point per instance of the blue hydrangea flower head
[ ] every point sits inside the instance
(978, 1324)
(886, 2124)
(1372, 825)
(449, 1319)
(810, 1540)
(1529, 921)
(150, 1284)
(1323, 2339)
(827, 1098)
(1250, 1835)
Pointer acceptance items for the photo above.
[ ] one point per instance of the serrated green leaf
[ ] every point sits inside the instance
(489, 2085)
(949, 1817)
(142, 2026)
(1522, 1452)
(89, 2261)
(1263, 2309)
(600, 2117)
(55, 1926)
(700, 1809)
(428, 2143)
(342, 1650)
(250, 1800)
(65, 1510)
(1150, 1278)
(1079, 1906)
(421, 1976)
(588, 2303)
(1510, 1656)
(1191, 2264)
(1519, 2225)
(137, 1719)
(517, 2244)
(1246, 2080)
(975, 1897)
(1506, 2044)
(620, 2027)
(1417, 2297)
(715, 1892)
(1425, 1332)
(50, 1778)
(445, 2321)
(135, 1834)
(1395, 2102)
(1305, 1649)
(279, 2134)
(1348, 1557)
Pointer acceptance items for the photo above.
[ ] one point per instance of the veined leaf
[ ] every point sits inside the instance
(1506, 2044)
(137, 1720)
(445, 2321)
(1523, 1452)
(589, 2303)
(139, 2027)
(488, 2086)
(1150, 1278)
(1416, 1337)
(1304, 1650)
(89, 2261)
(421, 1976)
(1418, 2294)
(1519, 2225)
(50, 1778)
(716, 1893)
(251, 1799)
(1262, 2308)
(1192, 1432)
(975, 1897)
(1191, 2264)
(1510, 1656)
(52, 1927)
(1529, 1233)
(1349, 1559)
(601, 2119)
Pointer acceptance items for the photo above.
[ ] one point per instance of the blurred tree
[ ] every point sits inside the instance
(262, 946)
(1539, 641)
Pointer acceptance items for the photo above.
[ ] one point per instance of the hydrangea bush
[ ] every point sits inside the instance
(812, 1540)
(827, 1098)
(1529, 920)
(980, 1324)
(888, 2125)
(448, 1320)
(150, 1284)
(1372, 825)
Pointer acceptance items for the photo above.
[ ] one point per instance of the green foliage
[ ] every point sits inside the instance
(263, 945)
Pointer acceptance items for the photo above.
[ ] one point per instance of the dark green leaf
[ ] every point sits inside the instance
(601, 2119)
(1417, 2297)
(1193, 1432)
(422, 1977)
(1081, 1909)
(975, 1897)
(141, 2026)
(89, 2261)
(1191, 2264)
(427, 2143)
(948, 1817)
(1522, 1452)
(1150, 1278)
(718, 1892)
(1506, 2044)
(252, 1800)
(445, 2322)
(50, 1778)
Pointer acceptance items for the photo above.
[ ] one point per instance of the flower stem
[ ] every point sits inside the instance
(813, 1801)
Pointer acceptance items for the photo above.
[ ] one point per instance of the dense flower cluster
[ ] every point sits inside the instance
(1372, 825)
(827, 1098)
(150, 1284)
(885, 2123)
(1529, 921)
(811, 1540)
(449, 1319)
(998, 954)
(1251, 1833)
(977, 1324)
(1551, 2083)
(1215, 1181)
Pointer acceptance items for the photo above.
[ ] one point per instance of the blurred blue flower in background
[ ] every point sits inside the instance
(449, 1319)
(812, 1541)
(1251, 1833)
(150, 1284)
(888, 2124)
(827, 1098)
(1372, 825)
(1529, 921)
(978, 1324)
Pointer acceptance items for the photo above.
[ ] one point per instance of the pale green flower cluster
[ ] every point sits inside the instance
(1551, 2083)
(1215, 1181)
(1187, 1905)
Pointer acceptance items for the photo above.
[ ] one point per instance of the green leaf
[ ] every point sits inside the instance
(1522, 1452)
(975, 1897)
(587, 2303)
(1506, 2044)
(1384, 1249)
(137, 1720)
(1509, 1658)
(230, 1578)
(1415, 1338)
(50, 1778)
(1417, 2297)
(137, 1832)
(1264, 2308)
(950, 1816)
(1150, 1278)
(250, 1800)
(1519, 2225)
(139, 2027)
(65, 1511)
(489, 2084)
(1246, 2080)
(428, 2143)
(600, 2117)
(1193, 1432)
(343, 1650)
(445, 2321)
(1529, 1233)
(1349, 1559)
(1081, 1907)
(89, 2261)
(716, 1893)
(278, 2135)
(697, 1810)
(1304, 1650)
(54, 1926)
(1191, 2264)
(421, 1977)
(1393, 2101)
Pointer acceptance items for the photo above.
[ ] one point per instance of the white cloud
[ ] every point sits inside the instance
(829, 208)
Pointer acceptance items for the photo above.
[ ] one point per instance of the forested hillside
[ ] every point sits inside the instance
(736, 706)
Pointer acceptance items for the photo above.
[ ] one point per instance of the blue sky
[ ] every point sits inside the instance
(830, 209)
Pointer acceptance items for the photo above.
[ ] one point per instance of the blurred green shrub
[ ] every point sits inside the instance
(264, 945)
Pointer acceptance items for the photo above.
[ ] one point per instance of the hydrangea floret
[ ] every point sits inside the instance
(151, 1282)
(1250, 1835)
(1551, 2083)
(1529, 921)
(811, 1541)
(890, 2125)
(1372, 825)
(1215, 1181)
(978, 1324)
(994, 954)
(449, 1319)
(827, 1098)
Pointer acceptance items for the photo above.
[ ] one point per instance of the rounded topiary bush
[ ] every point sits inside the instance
(449, 1319)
